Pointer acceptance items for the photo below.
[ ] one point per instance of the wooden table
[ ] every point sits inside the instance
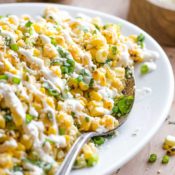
(138, 165)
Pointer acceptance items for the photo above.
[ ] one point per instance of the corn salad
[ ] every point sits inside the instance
(59, 76)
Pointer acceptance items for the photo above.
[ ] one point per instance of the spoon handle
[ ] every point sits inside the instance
(72, 154)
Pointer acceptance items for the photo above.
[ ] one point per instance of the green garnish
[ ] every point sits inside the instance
(50, 116)
(17, 168)
(55, 62)
(97, 27)
(28, 24)
(73, 114)
(79, 78)
(98, 140)
(8, 118)
(114, 50)
(53, 41)
(165, 159)
(14, 47)
(144, 69)
(128, 73)
(91, 83)
(50, 90)
(87, 119)
(122, 106)
(140, 40)
(62, 131)
(29, 118)
(83, 72)
(16, 80)
(68, 67)
(7, 41)
(3, 77)
(152, 158)
(92, 161)
(63, 53)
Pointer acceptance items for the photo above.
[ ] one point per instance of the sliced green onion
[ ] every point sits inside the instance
(87, 119)
(28, 24)
(114, 50)
(140, 40)
(79, 78)
(53, 41)
(152, 158)
(144, 69)
(50, 116)
(165, 159)
(98, 140)
(16, 80)
(92, 160)
(14, 47)
(3, 77)
(29, 118)
(62, 131)
(73, 114)
(91, 83)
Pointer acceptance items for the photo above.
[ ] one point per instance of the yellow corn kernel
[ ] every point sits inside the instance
(76, 92)
(21, 43)
(83, 100)
(87, 151)
(38, 28)
(43, 90)
(110, 73)
(38, 106)
(19, 34)
(36, 52)
(64, 119)
(18, 154)
(169, 142)
(108, 104)
(2, 172)
(2, 122)
(83, 86)
(52, 130)
(17, 118)
(95, 123)
(117, 83)
(109, 122)
(50, 102)
(95, 95)
(49, 51)
(120, 72)
(101, 55)
(27, 141)
(56, 70)
(6, 161)
(85, 123)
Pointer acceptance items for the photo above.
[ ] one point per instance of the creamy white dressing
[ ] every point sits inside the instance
(35, 169)
(60, 141)
(12, 101)
(11, 35)
(106, 92)
(45, 39)
(149, 55)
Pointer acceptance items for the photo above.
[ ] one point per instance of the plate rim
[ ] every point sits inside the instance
(171, 92)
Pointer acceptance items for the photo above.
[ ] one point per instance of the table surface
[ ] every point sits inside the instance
(138, 165)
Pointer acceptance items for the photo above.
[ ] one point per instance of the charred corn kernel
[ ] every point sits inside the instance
(6, 161)
(117, 83)
(169, 142)
(95, 96)
(2, 122)
(49, 51)
(171, 151)
(27, 141)
(73, 83)
(108, 104)
(83, 86)
(56, 70)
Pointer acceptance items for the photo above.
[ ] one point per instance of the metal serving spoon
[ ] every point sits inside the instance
(69, 160)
